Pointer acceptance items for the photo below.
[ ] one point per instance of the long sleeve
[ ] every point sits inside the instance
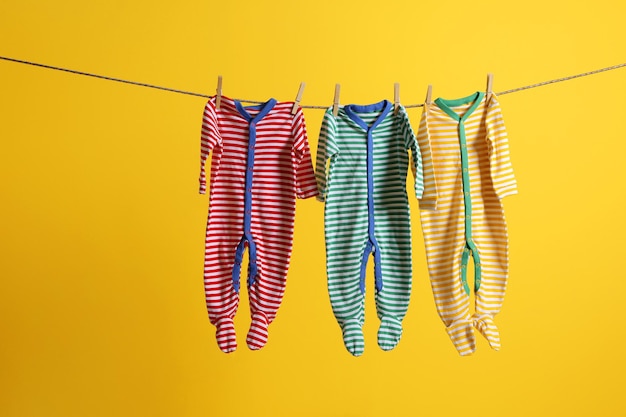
(500, 166)
(410, 143)
(428, 199)
(209, 140)
(301, 158)
(326, 149)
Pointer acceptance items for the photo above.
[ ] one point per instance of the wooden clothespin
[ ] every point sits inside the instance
(296, 103)
(336, 100)
(489, 84)
(396, 98)
(218, 93)
(429, 97)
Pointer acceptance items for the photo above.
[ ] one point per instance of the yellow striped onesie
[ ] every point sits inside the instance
(467, 171)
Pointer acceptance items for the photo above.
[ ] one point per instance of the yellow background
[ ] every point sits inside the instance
(101, 227)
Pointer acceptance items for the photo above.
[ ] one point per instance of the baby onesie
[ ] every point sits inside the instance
(260, 164)
(367, 212)
(467, 171)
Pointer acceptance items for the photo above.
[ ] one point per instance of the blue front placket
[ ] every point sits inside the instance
(372, 245)
(247, 202)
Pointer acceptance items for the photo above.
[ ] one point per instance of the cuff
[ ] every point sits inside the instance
(307, 192)
(428, 204)
(507, 191)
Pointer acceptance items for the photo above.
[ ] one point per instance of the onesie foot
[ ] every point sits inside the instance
(225, 335)
(389, 332)
(257, 335)
(461, 333)
(485, 325)
(353, 337)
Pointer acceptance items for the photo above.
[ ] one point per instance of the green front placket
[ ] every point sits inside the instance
(470, 248)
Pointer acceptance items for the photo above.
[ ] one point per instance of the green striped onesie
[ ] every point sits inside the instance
(367, 212)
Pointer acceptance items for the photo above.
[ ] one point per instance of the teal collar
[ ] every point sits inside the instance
(446, 105)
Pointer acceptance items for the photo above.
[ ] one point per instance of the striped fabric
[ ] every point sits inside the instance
(366, 211)
(265, 147)
(468, 212)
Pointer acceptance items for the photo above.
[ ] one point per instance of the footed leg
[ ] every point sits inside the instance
(392, 300)
(267, 279)
(221, 298)
(490, 295)
(346, 256)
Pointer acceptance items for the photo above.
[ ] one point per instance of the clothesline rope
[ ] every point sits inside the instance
(191, 93)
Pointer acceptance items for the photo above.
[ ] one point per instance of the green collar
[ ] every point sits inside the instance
(446, 105)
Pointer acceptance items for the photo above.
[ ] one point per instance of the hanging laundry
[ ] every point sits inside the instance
(367, 212)
(467, 171)
(260, 164)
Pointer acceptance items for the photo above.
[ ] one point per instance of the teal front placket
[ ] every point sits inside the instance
(470, 247)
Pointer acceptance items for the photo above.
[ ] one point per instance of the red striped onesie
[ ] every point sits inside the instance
(260, 164)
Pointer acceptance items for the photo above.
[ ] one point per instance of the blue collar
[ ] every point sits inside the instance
(264, 109)
(383, 106)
